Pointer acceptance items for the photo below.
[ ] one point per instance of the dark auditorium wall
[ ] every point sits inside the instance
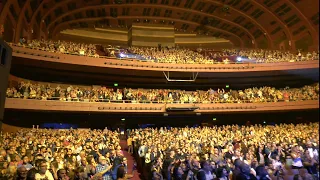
(304, 43)
(132, 120)
(150, 35)
(8, 34)
(5, 65)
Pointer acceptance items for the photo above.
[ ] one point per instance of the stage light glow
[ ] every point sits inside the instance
(122, 55)
(239, 58)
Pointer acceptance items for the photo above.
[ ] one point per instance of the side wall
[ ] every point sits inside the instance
(5, 65)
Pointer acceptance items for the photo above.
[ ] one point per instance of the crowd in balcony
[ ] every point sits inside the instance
(284, 151)
(267, 56)
(186, 56)
(43, 154)
(170, 55)
(63, 47)
(27, 90)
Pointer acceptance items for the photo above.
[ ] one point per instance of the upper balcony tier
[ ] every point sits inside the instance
(42, 65)
(181, 60)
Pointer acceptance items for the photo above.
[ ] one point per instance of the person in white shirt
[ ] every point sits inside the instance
(142, 150)
(43, 172)
(275, 162)
(312, 151)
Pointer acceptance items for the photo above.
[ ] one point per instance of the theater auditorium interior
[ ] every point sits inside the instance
(159, 89)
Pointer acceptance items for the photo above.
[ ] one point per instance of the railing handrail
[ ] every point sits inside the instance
(153, 102)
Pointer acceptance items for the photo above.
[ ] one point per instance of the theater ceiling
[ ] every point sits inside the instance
(247, 23)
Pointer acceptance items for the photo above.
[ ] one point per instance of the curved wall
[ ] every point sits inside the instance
(42, 56)
(27, 104)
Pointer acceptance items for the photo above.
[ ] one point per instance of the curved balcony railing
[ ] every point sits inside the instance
(151, 66)
(30, 104)
(221, 101)
(159, 62)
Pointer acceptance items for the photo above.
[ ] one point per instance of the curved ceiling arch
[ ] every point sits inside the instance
(54, 7)
(34, 15)
(147, 5)
(314, 33)
(287, 31)
(5, 11)
(33, 18)
(267, 35)
(20, 20)
(56, 28)
(47, 10)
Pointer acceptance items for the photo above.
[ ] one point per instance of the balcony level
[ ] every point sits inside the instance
(45, 66)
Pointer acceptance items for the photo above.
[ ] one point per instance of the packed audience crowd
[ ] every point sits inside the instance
(284, 151)
(170, 55)
(41, 154)
(186, 56)
(38, 91)
(266, 56)
(61, 47)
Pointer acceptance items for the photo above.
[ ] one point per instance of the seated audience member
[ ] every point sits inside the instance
(62, 174)
(205, 172)
(104, 169)
(222, 174)
(43, 172)
(262, 173)
(26, 163)
(296, 157)
(22, 173)
(31, 175)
